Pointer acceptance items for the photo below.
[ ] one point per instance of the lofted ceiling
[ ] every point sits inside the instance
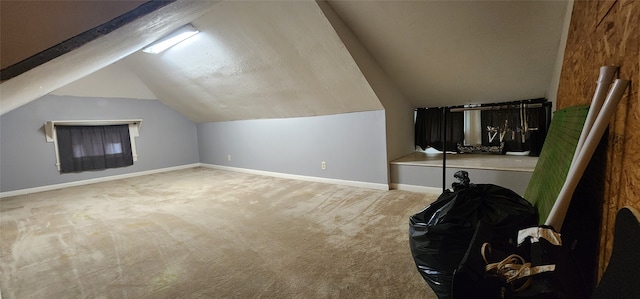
(32, 26)
(444, 53)
(272, 59)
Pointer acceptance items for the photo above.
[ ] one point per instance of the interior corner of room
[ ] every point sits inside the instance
(315, 91)
(295, 114)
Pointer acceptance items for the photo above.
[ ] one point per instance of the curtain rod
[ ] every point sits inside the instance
(512, 106)
(531, 103)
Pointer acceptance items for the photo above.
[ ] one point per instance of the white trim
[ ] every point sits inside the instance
(359, 184)
(95, 180)
(415, 188)
(134, 131)
(50, 133)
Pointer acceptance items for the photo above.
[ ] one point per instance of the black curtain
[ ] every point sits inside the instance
(428, 129)
(540, 119)
(93, 147)
(521, 129)
(502, 125)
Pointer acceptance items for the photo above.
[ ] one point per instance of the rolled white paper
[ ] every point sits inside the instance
(560, 207)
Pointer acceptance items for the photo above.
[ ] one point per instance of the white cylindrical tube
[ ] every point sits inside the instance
(602, 87)
(560, 207)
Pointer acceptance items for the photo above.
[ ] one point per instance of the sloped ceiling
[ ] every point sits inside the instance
(443, 53)
(267, 59)
(257, 60)
(32, 26)
(94, 54)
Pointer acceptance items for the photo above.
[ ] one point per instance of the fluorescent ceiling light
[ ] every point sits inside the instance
(172, 39)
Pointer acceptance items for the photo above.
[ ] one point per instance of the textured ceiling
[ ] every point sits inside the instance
(96, 54)
(264, 59)
(251, 62)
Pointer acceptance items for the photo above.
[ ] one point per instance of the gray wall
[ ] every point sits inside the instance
(432, 177)
(353, 145)
(398, 110)
(26, 160)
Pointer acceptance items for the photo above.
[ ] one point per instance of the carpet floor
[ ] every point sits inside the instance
(205, 233)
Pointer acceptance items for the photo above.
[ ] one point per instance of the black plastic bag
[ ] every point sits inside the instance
(564, 282)
(440, 234)
(550, 273)
(470, 279)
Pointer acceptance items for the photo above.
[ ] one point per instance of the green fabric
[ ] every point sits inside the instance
(555, 159)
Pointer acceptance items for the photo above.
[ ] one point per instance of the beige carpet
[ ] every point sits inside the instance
(204, 233)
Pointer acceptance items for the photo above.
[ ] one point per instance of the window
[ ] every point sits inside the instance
(92, 145)
(515, 127)
(83, 148)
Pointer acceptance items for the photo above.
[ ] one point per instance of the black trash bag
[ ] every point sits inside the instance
(564, 282)
(470, 278)
(551, 270)
(440, 234)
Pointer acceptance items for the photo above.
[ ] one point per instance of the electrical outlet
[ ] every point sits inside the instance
(229, 157)
(324, 165)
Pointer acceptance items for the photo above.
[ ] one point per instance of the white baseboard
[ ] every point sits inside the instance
(244, 170)
(301, 177)
(415, 188)
(96, 180)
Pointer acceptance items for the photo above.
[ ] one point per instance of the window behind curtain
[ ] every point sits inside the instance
(93, 147)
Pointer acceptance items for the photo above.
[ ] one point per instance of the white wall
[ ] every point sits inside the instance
(552, 91)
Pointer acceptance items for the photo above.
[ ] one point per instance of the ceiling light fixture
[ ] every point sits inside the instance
(172, 39)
